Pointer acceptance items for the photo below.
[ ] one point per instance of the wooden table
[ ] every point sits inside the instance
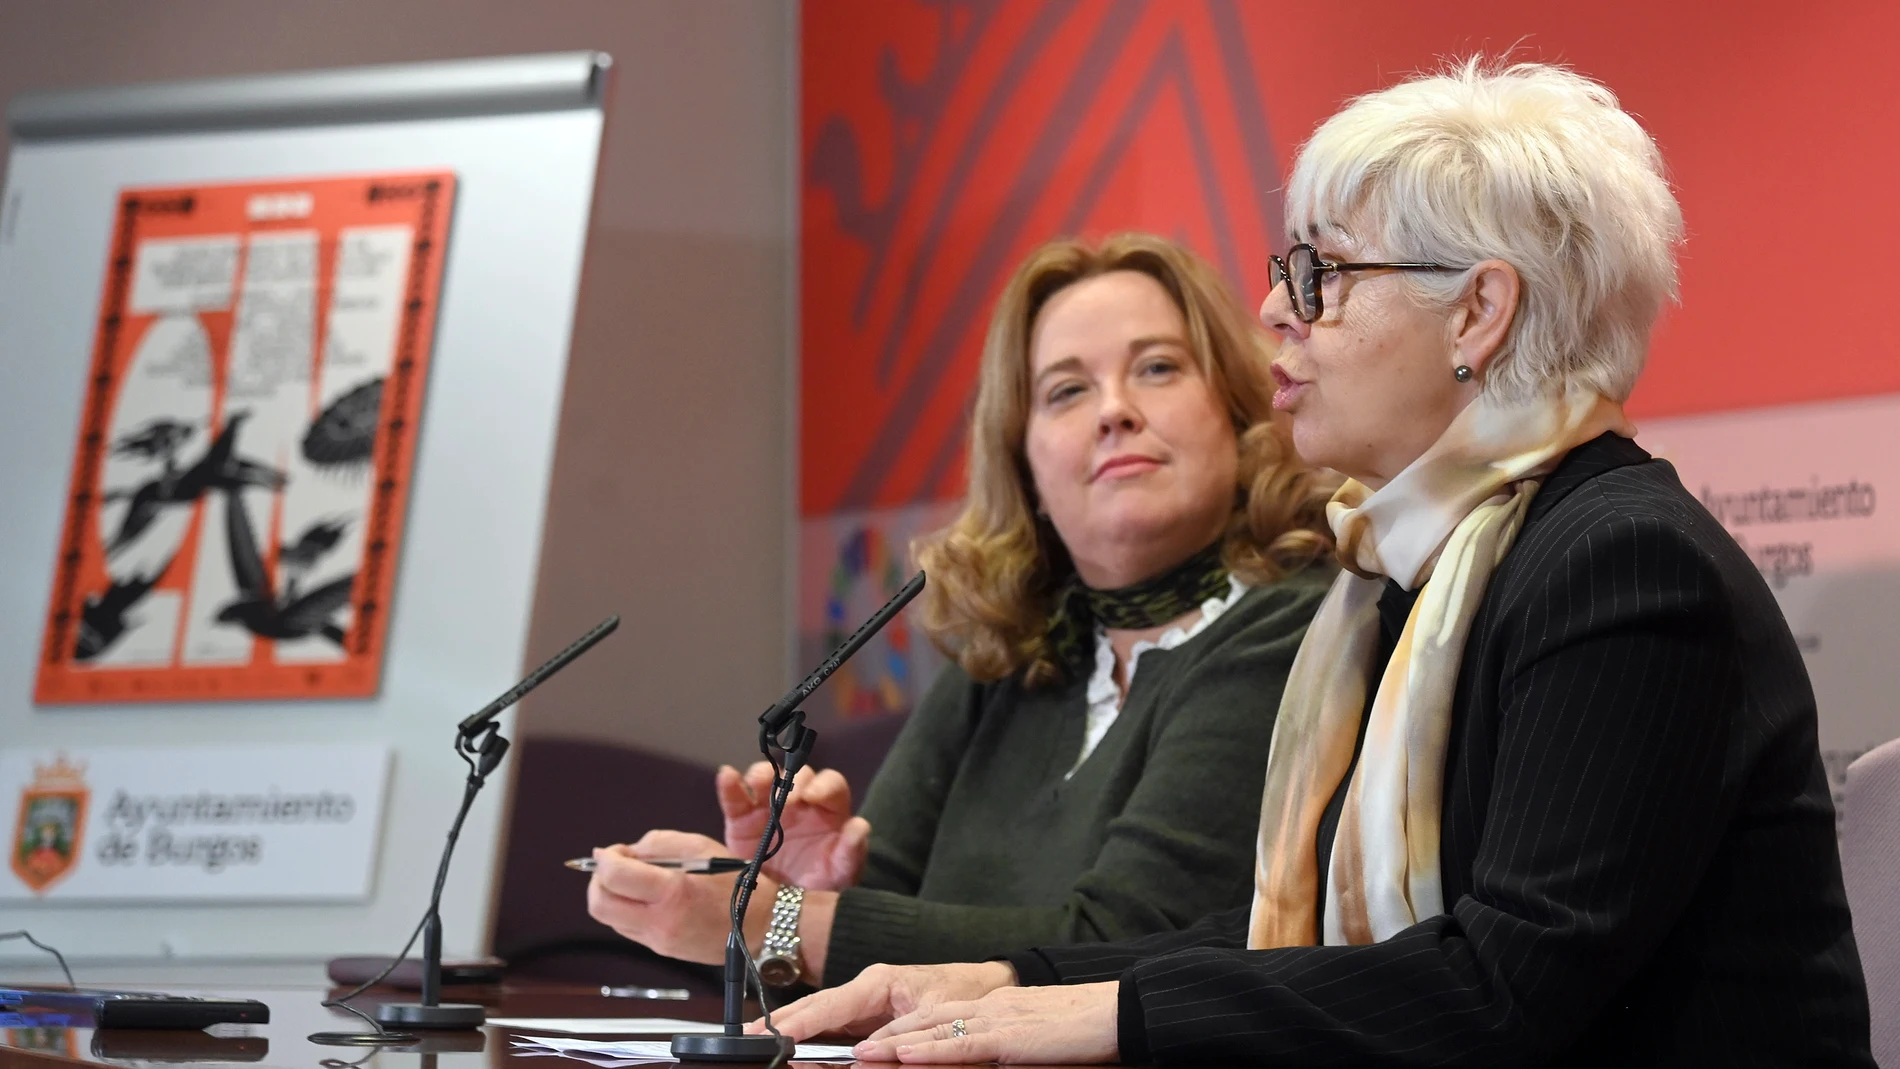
(296, 1012)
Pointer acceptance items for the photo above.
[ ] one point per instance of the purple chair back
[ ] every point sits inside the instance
(570, 796)
(1870, 859)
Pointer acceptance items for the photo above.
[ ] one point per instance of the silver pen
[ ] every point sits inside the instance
(703, 865)
(674, 993)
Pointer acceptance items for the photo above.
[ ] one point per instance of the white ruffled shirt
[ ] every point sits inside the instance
(1105, 699)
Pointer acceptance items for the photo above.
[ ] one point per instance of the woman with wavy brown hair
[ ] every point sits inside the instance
(1134, 566)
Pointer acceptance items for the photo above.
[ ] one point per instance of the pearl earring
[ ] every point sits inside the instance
(1462, 373)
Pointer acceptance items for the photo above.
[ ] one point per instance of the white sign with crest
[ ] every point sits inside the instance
(296, 823)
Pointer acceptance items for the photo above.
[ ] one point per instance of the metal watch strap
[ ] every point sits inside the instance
(779, 960)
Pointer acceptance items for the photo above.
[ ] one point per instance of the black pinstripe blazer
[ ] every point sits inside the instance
(1638, 847)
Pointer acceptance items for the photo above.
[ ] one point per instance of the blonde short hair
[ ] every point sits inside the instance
(995, 571)
(1530, 164)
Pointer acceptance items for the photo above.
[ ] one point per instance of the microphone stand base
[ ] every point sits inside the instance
(703, 1048)
(417, 1015)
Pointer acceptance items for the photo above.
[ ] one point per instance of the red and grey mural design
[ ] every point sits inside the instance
(938, 156)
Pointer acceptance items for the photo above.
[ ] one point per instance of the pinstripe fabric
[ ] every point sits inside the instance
(1638, 849)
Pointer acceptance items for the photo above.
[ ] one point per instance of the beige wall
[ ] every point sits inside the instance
(671, 490)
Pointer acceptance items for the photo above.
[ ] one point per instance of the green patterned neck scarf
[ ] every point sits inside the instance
(1149, 603)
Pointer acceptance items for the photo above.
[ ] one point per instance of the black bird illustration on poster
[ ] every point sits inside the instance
(159, 439)
(342, 439)
(258, 609)
(219, 468)
(103, 619)
(317, 539)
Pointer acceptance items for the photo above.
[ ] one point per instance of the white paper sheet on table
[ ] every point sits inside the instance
(608, 1026)
(622, 1052)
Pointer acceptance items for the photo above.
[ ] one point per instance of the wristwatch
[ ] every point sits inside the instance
(780, 962)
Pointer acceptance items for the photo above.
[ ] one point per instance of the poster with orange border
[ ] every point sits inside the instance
(235, 511)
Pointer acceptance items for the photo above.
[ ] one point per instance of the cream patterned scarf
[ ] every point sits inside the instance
(1444, 522)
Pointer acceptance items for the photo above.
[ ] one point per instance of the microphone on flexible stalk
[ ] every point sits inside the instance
(773, 720)
(479, 743)
(471, 726)
(786, 743)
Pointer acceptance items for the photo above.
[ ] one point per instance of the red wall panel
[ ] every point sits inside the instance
(942, 139)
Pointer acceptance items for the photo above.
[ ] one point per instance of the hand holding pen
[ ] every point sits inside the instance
(649, 892)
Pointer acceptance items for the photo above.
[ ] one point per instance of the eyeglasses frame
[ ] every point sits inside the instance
(1322, 266)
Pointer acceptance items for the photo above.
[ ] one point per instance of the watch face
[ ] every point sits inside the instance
(778, 971)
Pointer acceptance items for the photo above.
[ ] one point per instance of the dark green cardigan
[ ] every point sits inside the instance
(979, 846)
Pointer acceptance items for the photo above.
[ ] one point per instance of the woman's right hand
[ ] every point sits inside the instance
(824, 845)
(882, 993)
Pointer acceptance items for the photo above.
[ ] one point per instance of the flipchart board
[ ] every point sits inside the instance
(281, 361)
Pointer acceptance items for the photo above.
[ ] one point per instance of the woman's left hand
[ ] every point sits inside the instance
(1064, 1025)
(681, 915)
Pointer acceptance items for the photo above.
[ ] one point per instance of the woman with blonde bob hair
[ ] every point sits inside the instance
(1545, 787)
(1121, 597)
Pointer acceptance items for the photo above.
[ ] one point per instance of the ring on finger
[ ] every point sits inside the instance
(957, 1029)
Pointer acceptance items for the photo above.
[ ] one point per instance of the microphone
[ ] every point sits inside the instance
(482, 758)
(773, 719)
(472, 725)
(782, 731)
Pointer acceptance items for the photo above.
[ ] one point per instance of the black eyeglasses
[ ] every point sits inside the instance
(1302, 270)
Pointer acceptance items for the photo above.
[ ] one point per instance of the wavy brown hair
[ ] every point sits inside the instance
(994, 572)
